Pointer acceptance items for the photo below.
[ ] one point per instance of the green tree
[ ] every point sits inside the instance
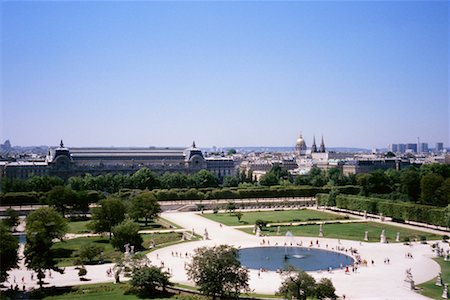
(447, 216)
(217, 272)
(299, 285)
(43, 226)
(444, 193)
(269, 179)
(144, 179)
(126, 232)
(12, 218)
(261, 223)
(171, 180)
(205, 179)
(429, 184)
(148, 280)
(44, 183)
(230, 181)
(108, 213)
(144, 205)
(87, 253)
(325, 289)
(238, 215)
(61, 198)
(410, 183)
(8, 252)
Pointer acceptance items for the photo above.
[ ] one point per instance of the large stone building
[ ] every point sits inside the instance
(64, 162)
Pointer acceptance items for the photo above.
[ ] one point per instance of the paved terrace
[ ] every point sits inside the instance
(378, 281)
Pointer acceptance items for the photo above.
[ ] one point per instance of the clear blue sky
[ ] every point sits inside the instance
(363, 74)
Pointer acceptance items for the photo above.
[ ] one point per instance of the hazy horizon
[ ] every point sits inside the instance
(363, 74)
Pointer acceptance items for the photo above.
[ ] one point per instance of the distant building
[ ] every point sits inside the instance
(64, 162)
(422, 148)
(393, 148)
(411, 148)
(367, 166)
(300, 147)
(439, 147)
(401, 148)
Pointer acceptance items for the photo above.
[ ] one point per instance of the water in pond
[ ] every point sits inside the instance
(277, 258)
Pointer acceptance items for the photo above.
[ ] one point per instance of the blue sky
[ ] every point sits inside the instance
(361, 73)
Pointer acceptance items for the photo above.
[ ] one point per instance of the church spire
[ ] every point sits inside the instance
(314, 146)
(61, 144)
(193, 144)
(322, 146)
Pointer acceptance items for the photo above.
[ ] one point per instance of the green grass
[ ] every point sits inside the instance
(350, 231)
(78, 227)
(105, 291)
(159, 223)
(272, 217)
(161, 238)
(430, 289)
(101, 291)
(66, 250)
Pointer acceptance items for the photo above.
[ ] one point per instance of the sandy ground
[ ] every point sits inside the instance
(378, 281)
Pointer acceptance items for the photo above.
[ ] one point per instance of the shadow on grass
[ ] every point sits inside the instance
(102, 241)
(62, 252)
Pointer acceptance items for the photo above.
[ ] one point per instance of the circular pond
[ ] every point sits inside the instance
(277, 258)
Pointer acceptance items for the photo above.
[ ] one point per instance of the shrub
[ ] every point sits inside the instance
(88, 252)
(126, 232)
(82, 272)
(147, 280)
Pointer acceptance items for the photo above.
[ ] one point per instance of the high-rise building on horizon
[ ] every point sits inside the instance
(439, 147)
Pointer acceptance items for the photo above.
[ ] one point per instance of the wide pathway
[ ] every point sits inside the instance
(377, 281)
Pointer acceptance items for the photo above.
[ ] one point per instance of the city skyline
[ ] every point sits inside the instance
(362, 74)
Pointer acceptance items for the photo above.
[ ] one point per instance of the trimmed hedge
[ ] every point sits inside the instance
(21, 198)
(397, 210)
(243, 193)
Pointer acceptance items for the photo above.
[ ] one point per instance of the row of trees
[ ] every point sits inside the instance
(398, 210)
(111, 183)
(110, 216)
(45, 225)
(316, 177)
(429, 184)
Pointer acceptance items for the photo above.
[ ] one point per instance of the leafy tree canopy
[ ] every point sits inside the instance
(217, 272)
(8, 252)
(144, 205)
(108, 213)
(127, 232)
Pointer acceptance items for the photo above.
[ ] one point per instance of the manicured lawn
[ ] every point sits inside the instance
(350, 231)
(159, 223)
(101, 291)
(272, 216)
(78, 227)
(66, 251)
(430, 289)
(161, 238)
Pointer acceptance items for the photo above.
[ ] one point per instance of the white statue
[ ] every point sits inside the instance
(439, 280)
(445, 292)
(397, 237)
(321, 230)
(258, 231)
(382, 237)
(366, 236)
